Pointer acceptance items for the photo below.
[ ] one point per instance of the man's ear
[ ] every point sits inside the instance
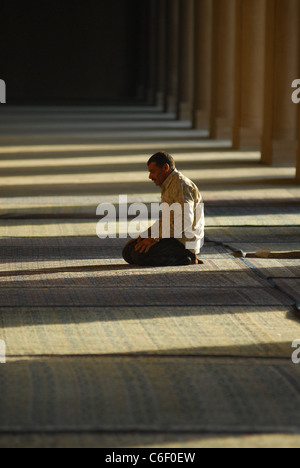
(166, 168)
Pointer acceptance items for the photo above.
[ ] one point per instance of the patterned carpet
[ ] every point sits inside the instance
(134, 297)
(250, 331)
(129, 394)
(291, 286)
(103, 354)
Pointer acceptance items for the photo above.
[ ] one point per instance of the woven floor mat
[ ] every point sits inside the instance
(91, 277)
(268, 254)
(134, 296)
(151, 394)
(275, 268)
(116, 274)
(252, 234)
(87, 228)
(247, 248)
(265, 254)
(218, 331)
(17, 252)
(48, 212)
(147, 440)
(290, 286)
(252, 217)
(62, 242)
(47, 228)
(66, 206)
(13, 254)
(214, 217)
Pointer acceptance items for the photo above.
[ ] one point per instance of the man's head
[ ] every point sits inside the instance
(160, 166)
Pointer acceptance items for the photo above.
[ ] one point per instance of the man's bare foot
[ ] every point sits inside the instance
(196, 261)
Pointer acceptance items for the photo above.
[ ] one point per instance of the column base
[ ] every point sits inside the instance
(160, 100)
(185, 111)
(224, 129)
(172, 105)
(201, 120)
(250, 139)
(284, 153)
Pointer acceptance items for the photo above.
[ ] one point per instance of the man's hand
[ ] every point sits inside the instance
(144, 245)
(130, 242)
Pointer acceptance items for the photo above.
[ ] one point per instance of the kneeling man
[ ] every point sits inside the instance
(177, 237)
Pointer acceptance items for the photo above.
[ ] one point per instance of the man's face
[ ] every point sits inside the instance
(158, 174)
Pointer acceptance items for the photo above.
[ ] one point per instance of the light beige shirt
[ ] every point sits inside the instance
(182, 213)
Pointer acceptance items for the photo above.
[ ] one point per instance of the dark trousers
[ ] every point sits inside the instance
(167, 252)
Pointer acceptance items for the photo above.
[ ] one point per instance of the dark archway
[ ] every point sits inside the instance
(55, 51)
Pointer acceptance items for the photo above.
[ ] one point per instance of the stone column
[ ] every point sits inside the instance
(298, 150)
(186, 60)
(298, 108)
(172, 55)
(279, 141)
(152, 44)
(161, 53)
(223, 59)
(142, 86)
(202, 63)
(249, 73)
